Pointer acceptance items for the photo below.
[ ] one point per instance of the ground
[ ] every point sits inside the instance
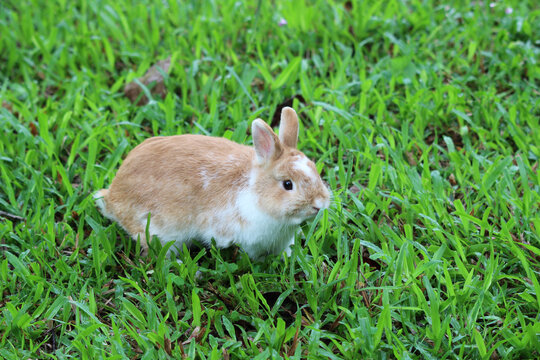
(423, 118)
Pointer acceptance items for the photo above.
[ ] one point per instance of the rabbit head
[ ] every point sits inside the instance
(286, 182)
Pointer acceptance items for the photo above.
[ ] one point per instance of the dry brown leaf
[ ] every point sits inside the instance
(196, 335)
(33, 129)
(182, 352)
(73, 306)
(154, 78)
(336, 322)
(294, 344)
(10, 216)
(410, 158)
(7, 106)
(167, 346)
(225, 354)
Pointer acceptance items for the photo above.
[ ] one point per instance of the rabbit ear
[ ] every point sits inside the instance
(266, 143)
(288, 127)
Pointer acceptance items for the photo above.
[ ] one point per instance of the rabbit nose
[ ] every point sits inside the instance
(319, 204)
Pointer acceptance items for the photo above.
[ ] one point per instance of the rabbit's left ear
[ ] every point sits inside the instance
(288, 127)
(265, 141)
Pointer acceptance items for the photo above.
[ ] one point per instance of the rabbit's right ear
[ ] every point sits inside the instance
(288, 127)
(265, 141)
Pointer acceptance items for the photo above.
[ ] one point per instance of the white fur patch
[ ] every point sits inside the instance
(232, 160)
(262, 233)
(246, 203)
(320, 203)
(301, 164)
(204, 178)
(100, 202)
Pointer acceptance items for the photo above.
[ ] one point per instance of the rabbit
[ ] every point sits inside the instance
(199, 187)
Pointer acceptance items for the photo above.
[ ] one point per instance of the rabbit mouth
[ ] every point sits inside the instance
(311, 212)
(303, 214)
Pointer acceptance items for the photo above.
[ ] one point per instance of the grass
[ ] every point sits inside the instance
(423, 119)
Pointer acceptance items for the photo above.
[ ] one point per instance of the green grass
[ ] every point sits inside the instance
(423, 118)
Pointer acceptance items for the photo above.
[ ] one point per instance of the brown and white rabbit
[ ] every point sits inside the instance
(202, 187)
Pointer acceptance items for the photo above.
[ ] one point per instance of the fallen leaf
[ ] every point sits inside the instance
(258, 83)
(10, 216)
(225, 354)
(307, 320)
(7, 106)
(410, 158)
(154, 79)
(197, 335)
(50, 90)
(73, 306)
(336, 322)
(33, 129)
(294, 344)
(200, 335)
(167, 346)
(182, 352)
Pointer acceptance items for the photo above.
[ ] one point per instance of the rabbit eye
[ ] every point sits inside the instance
(287, 185)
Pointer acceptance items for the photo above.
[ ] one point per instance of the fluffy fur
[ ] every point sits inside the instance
(204, 188)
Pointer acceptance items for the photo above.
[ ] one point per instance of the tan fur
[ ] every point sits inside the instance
(288, 128)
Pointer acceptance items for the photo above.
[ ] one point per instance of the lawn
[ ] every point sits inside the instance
(423, 118)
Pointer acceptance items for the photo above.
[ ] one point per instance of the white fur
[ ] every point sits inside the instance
(98, 197)
(301, 164)
(231, 160)
(321, 203)
(204, 178)
(262, 234)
